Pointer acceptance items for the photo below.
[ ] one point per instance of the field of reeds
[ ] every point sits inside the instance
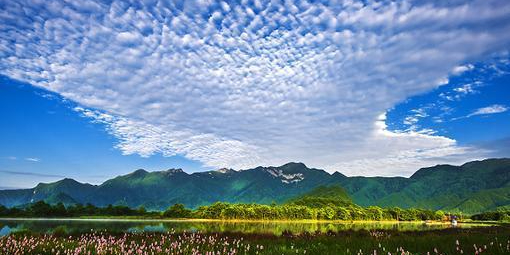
(488, 240)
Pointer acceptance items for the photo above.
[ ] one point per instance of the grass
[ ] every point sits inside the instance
(488, 240)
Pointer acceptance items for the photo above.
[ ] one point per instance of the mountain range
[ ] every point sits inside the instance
(470, 188)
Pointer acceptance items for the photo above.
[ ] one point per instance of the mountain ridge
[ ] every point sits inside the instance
(472, 187)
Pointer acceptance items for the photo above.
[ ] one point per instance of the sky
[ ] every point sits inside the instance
(94, 89)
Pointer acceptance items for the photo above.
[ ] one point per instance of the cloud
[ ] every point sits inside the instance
(31, 174)
(465, 89)
(403, 152)
(493, 109)
(461, 69)
(411, 121)
(146, 140)
(235, 85)
(32, 159)
(11, 158)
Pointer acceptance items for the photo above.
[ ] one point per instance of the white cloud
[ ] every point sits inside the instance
(237, 86)
(411, 121)
(460, 69)
(493, 109)
(465, 89)
(32, 159)
(388, 153)
(146, 140)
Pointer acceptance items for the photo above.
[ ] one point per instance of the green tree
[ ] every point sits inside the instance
(177, 211)
(40, 209)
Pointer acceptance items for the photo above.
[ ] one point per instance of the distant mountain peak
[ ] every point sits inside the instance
(225, 170)
(427, 171)
(65, 181)
(174, 171)
(139, 173)
(338, 174)
(283, 176)
(294, 165)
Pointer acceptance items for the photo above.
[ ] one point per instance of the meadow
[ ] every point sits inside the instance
(485, 240)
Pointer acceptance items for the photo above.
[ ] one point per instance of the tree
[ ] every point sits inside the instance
(3, 210)
(343, 214)
(177, 211)
(374, 213)
(40, 209)
(141, 210)
(59, 210)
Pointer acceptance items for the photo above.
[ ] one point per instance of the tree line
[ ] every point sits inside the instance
(500, 215)
(222, 210)
(43, 209)
(230, 211)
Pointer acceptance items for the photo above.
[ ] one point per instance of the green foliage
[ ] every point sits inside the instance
(501, 215)
(43, 209)
(222, 210)
(323, 196)
(298, 212)
(177, 211)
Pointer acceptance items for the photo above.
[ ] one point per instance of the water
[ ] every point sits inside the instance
(8, 226)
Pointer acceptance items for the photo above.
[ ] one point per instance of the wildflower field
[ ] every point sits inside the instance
(488, 240)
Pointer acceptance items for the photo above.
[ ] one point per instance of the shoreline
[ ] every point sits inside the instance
(120, 219)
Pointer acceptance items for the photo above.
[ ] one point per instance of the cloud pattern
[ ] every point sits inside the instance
(240, 84)
(493, 109)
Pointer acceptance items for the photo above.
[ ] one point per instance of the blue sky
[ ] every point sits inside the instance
(93, 89)
(451, 110)
(44, 139)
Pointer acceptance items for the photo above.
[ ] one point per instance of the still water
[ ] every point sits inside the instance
(8, 226)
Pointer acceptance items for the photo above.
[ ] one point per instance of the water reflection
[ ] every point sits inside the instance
(120, 226)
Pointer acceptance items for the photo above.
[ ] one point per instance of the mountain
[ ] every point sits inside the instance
(60, 197)
(75, 191)
(158, 190)
(473, 187)
(323, 196)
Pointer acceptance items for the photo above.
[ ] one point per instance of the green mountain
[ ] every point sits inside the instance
(51, 192)
(473, 187)
(60, 197)
(323, 196)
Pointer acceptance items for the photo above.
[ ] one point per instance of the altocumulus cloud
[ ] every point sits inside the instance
(493, 109)
(244, 84)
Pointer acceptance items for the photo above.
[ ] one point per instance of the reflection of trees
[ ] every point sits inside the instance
(269, 227)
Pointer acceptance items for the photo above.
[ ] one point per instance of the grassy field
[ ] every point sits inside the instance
(488, 240)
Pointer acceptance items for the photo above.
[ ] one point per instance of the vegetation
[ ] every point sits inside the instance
(493, 241)
(322, 196)
(322, 203)
(501, 215)
(177, 211)
(297, 212)
(229, 211)
(43, 209)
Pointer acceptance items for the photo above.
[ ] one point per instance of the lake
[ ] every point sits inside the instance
(274, 227)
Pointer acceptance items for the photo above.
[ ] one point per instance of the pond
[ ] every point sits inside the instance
(8, 226)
